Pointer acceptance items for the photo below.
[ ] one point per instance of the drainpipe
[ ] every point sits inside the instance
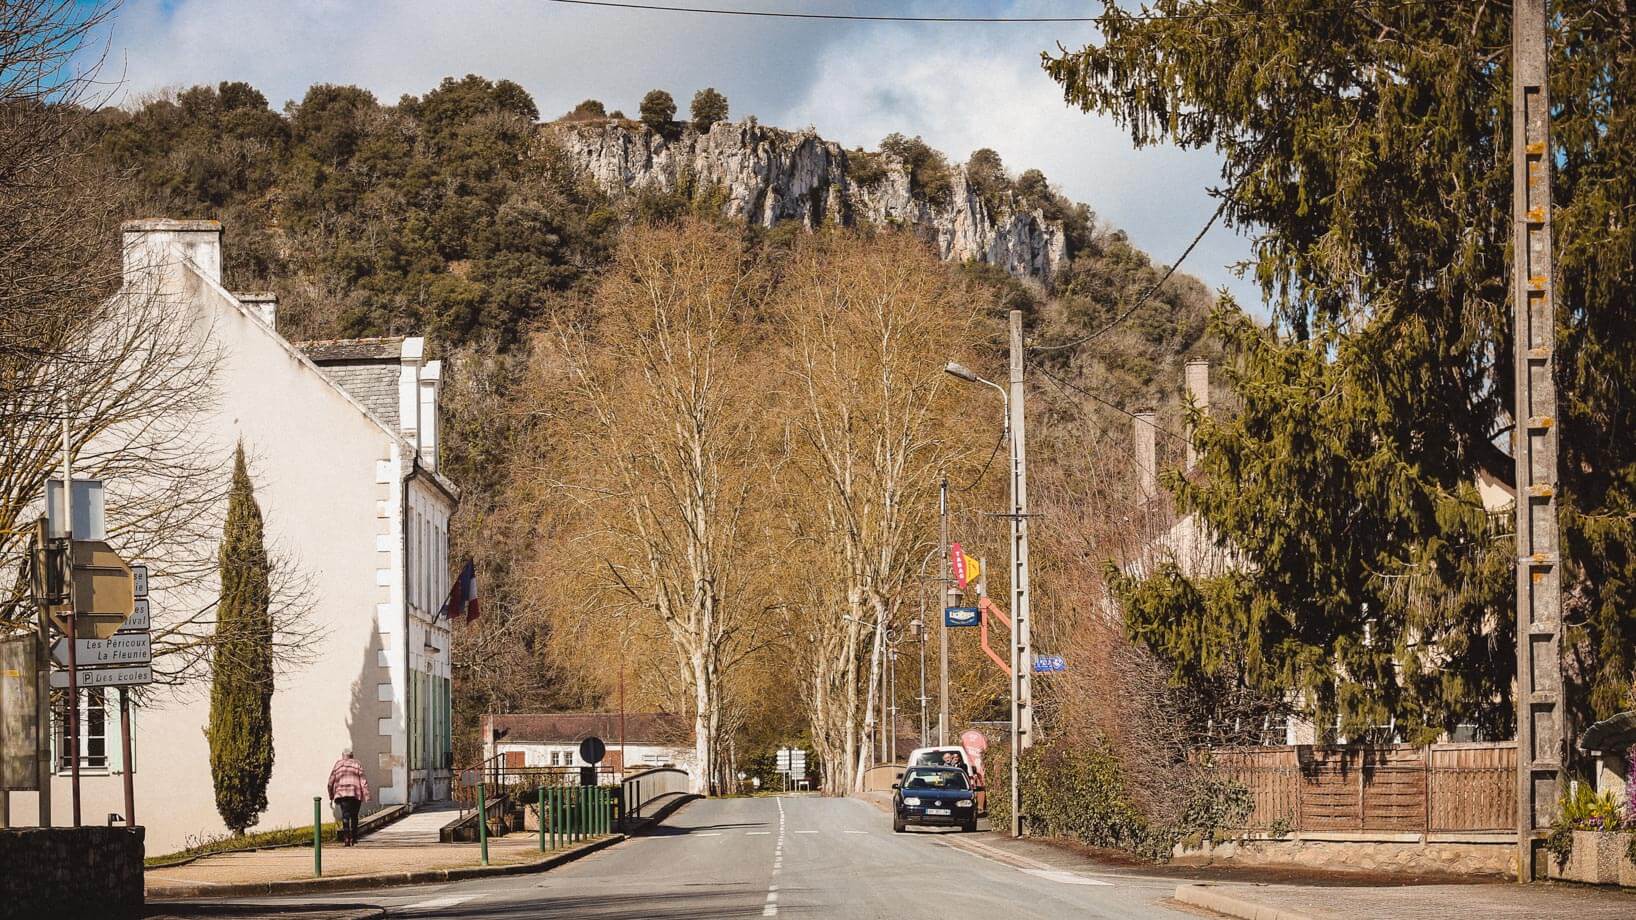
(403, 594)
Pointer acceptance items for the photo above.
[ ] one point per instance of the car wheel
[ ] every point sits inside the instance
(897, 825)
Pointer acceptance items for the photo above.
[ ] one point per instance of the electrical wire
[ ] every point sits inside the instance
(1087, 393)
(984, 471)
(1146, 295)
(844, 17)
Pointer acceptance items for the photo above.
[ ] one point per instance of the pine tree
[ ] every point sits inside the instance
(1369, 145)
(241, 691)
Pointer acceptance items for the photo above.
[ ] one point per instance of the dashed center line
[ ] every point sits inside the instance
(770, 909)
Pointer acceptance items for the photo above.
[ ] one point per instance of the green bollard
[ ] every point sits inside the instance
(317, 838)
(556, 816)
(482, 824)
(541, 812)
(602, 809)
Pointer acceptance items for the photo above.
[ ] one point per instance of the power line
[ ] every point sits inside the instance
(1087, 393)
(1146, 295)
(845, 17)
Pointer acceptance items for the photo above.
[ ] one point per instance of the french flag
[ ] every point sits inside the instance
(462, 596)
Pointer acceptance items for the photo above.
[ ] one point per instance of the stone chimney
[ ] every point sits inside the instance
(431, 383)
(1145, 429)
(409, 366)
(1198, 393)
(264, 304)
(154, 243)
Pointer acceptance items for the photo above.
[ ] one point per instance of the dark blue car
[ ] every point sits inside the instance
(934, 795)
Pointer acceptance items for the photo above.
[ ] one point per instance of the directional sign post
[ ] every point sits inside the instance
(106, 677)
(117, 650)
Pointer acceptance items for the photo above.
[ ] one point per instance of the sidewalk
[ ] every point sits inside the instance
(1285, 893)
(289, 870)
(1295, 893)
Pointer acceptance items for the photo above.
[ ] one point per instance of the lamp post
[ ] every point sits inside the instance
(1022, 735)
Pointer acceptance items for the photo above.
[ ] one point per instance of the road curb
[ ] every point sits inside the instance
(377, 880)
(1210, 897)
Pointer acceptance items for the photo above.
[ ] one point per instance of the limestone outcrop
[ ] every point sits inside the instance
(767, 175)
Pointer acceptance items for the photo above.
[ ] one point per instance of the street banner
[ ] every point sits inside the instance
(105, 677)
(957, 565)
(974, 568)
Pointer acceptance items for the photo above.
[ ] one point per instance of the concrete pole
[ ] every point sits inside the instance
(1542, 729)
(942, 583)
(1022, 656)
(73, 640)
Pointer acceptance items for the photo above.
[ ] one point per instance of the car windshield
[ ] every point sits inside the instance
(934, 779)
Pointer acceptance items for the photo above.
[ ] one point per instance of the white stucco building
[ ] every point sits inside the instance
(636, 741)
(342, 441)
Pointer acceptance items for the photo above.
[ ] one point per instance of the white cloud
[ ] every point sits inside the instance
(965, 90)
(959, 86)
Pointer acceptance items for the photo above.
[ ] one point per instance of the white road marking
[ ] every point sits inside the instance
(1065, 877)
(441, 903)
(756, 833)
(857, 832)
(806, 832)
(707, 834)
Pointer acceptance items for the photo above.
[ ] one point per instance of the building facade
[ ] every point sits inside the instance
(342, 443)
(635, 741)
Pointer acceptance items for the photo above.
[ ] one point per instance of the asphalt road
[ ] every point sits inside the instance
(797, 856)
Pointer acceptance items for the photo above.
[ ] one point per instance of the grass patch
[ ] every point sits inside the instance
(228, 843)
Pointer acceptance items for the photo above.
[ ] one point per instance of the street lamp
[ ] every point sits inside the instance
(1022, 710)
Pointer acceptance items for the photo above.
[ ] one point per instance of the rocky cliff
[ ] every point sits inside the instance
(767, 175)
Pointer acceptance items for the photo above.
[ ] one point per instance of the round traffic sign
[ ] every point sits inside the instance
(592, 749)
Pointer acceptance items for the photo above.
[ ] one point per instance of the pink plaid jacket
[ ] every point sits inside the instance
(347, 778)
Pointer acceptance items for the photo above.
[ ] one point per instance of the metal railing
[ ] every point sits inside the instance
(501, 781)
(640, 790)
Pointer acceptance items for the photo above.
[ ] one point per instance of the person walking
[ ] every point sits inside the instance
(348, 789)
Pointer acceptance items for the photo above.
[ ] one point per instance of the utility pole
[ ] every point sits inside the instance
(1022, 658)
(942, 602)
(1541, 717)
(73, 640)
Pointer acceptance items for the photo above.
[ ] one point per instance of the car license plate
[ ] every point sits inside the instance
(937, 811)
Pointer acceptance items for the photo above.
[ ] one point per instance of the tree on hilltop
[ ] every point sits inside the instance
(708, 108)
(658, 110)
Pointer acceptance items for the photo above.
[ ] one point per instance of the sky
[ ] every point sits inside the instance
(959, 86)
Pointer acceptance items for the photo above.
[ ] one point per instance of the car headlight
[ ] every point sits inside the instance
(963, 803)
(911, 800)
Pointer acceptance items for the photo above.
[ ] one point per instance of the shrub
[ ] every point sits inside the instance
(588, 110)
(864, 168)
(708, 108)
(658, 110)
(928, 170)
(1080, 791)
(987, 177)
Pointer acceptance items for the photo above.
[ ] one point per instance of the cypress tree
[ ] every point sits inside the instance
(241, 692)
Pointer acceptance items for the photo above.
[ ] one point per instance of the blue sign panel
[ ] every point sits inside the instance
(1046, 663)
(960, 616)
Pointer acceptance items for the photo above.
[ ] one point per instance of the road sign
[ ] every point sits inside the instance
(960, 616)
(105, 677)
(138, 621)
(135, 648)
(139, 579)
(1046, 663)
(591, 750)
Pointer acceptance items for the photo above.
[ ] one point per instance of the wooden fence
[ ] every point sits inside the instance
(1444, 788)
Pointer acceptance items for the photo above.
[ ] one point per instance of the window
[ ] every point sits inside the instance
(554, 761)
(97, 742)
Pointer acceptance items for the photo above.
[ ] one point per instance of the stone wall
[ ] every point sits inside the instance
(70, 872)
(1454, 856)
(1599, 858)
